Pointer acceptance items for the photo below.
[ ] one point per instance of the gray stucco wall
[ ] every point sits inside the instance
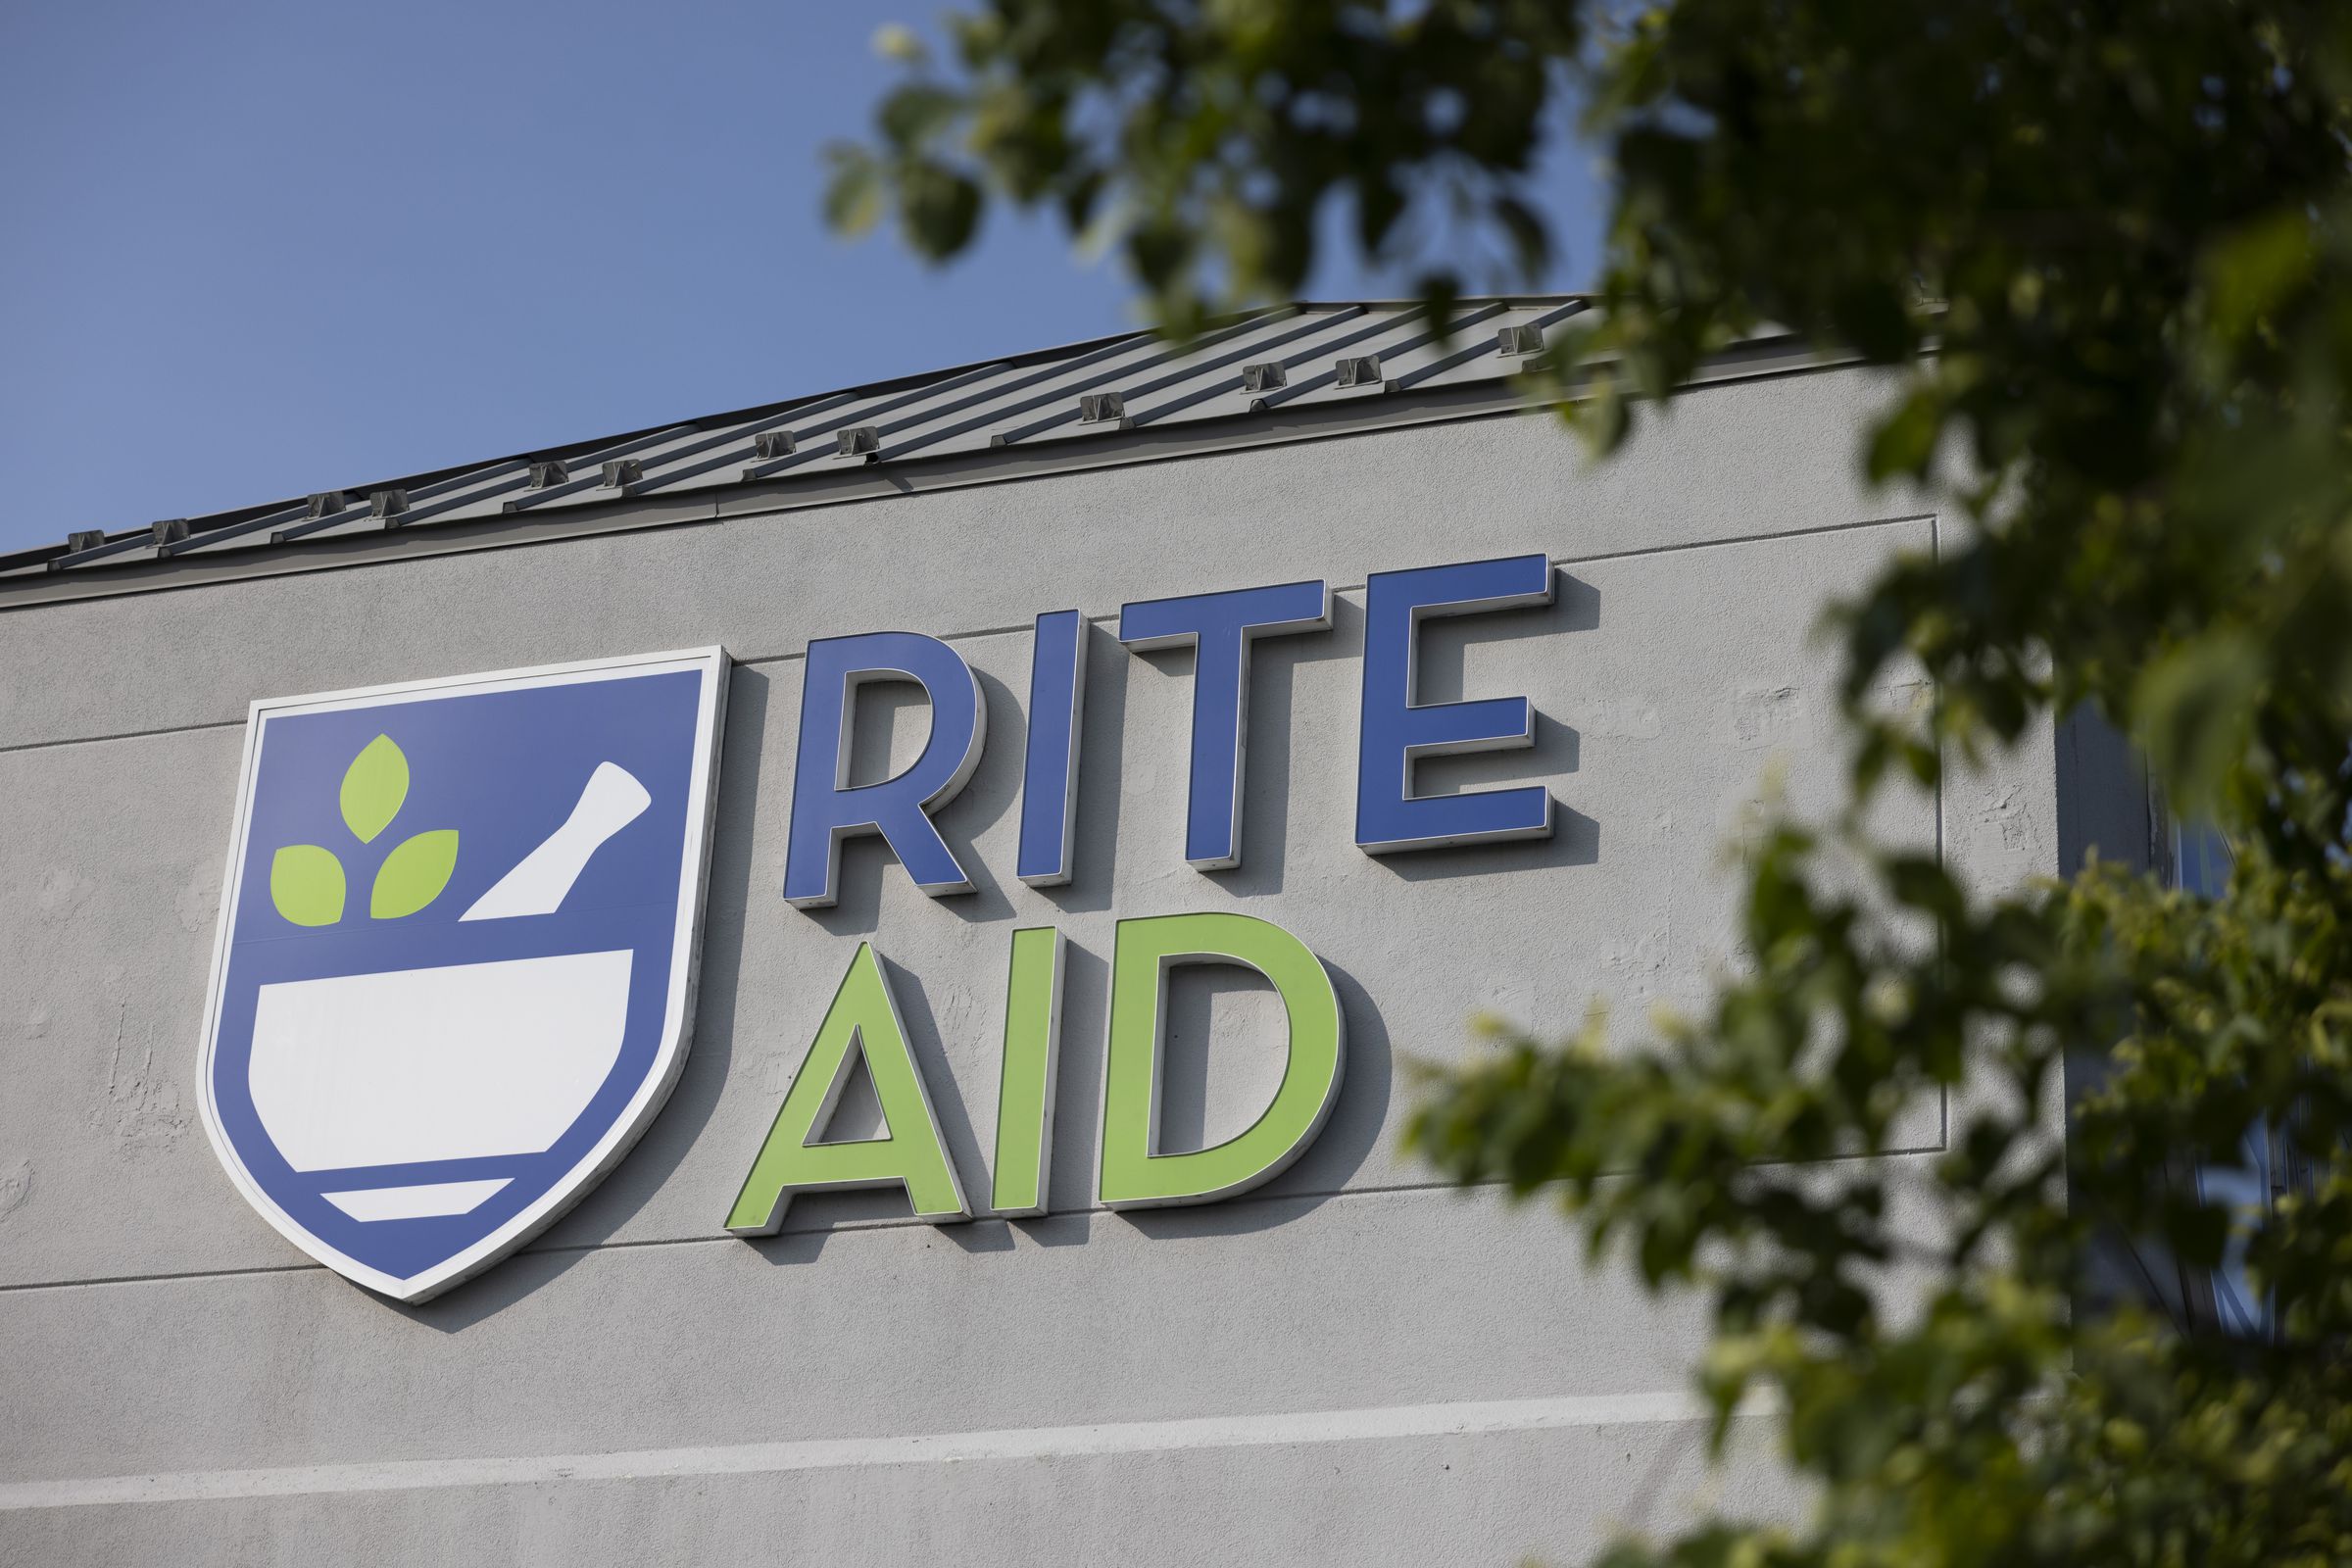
(1349, 1364)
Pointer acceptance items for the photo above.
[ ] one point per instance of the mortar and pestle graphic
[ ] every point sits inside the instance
(456, 1062)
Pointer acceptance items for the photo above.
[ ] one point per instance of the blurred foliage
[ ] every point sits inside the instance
(2103, 252)
(1204, 141)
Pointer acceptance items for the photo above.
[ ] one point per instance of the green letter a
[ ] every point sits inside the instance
(909, 1154)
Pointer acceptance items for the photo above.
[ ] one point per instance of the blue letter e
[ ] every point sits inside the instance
(1396, 730)
(825, 809)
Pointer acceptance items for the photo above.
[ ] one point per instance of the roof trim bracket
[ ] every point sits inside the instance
(1522, 340)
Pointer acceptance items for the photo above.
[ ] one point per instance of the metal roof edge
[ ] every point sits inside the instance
(1756, 359)
(213, 522)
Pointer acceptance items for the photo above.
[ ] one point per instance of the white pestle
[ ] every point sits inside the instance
(611, 800)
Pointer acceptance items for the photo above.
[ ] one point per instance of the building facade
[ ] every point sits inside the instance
(1326, 1355)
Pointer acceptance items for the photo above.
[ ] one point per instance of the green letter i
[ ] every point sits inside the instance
(1025, 1089)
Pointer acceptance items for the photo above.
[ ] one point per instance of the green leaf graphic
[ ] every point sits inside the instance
(414, 873)
(305, 883)
(373, 786)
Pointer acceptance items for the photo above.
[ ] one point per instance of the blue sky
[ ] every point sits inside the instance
(252, 250)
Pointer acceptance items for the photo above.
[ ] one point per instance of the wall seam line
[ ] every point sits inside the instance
(1194, 1433)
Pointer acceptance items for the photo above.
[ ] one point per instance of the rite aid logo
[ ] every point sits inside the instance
(456, 946)
(457, 951)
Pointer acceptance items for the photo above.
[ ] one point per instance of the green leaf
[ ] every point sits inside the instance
(2256, 267)
(1904, 443)
(373, 786)
(1531, 243)
(939, 209)
(898, 43)
(306, 884)
(1870, 314)
(915, 113)
(2194, 708)
(414, 874)
(853, 192)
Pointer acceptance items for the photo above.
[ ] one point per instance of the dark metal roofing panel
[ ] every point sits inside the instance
(1016, 406)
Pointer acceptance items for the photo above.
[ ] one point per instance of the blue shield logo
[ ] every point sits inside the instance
(454, 978)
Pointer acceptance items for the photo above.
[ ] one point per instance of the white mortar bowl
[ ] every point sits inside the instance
(460, 1062)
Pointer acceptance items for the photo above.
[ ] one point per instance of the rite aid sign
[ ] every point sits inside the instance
(454, 976)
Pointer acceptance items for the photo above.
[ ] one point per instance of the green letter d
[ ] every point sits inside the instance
(1135, 1174)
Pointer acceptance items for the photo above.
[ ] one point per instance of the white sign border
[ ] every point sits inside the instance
(714, 665)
